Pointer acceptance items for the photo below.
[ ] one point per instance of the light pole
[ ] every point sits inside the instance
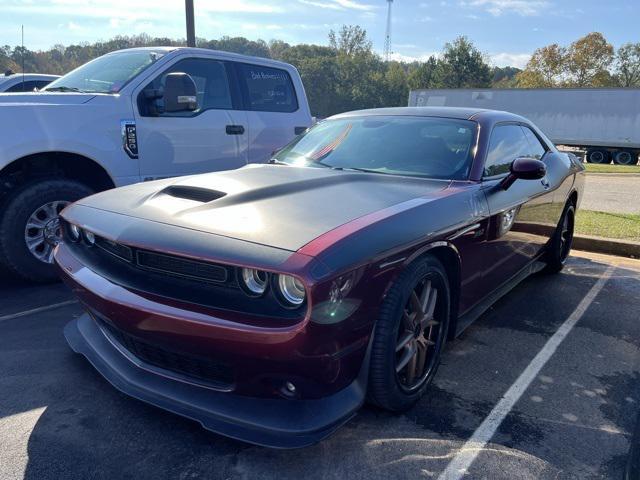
(191, 28)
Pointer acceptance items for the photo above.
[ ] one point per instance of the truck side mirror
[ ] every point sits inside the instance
(524, 168)
(179, 93)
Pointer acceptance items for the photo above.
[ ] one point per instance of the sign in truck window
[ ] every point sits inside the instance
(268, 89)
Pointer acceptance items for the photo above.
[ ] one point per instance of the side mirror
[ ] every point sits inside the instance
(179, 93)
(524, 169)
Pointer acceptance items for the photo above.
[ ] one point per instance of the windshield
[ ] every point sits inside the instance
(429, 147)
(106, 74)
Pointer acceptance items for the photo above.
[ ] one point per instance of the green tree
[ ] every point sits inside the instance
(424, 75)
(545, 68)
(350, 40)
(588, 60)
(463, 66)
(628, 65)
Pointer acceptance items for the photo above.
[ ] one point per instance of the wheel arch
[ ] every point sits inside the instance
(68, 165)
(449, 256)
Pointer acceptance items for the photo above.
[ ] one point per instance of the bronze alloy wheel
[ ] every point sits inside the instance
(419, 336)
(566, 234)
(409, 335)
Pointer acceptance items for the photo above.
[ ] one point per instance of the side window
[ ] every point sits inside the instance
(41, 83)
(212, 85)
(506, 144)
(267, 89)
(536, 149)
(18, 87)
(27, 86)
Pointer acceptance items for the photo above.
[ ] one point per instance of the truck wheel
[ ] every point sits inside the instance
(598, 156)
(625, 157)
(30, 228)
(409, 335)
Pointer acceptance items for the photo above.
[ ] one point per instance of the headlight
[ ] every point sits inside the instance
(90, 238)
(74, 232)
(254, 281)
(291, 289)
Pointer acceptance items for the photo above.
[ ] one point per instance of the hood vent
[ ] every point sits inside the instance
(196, 194)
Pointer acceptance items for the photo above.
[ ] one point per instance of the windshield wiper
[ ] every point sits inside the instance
(62, 88)
(365, 170)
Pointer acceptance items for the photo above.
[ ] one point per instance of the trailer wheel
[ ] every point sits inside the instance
(598, 156)
(625, 157)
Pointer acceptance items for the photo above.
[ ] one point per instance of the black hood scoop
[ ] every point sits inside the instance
(197, 194)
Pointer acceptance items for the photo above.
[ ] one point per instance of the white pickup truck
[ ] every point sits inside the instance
(129, 116)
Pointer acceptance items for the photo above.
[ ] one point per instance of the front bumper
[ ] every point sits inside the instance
(278, 423)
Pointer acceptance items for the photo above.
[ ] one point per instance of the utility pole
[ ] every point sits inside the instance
(191, 28)
(387, 38)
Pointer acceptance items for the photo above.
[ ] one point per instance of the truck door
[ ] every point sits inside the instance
(518, 215)
(211, 138)
(274, 111)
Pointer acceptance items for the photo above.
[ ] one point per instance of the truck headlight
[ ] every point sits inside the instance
(291, 290)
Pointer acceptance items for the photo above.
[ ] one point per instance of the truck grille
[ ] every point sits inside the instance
(206, 371)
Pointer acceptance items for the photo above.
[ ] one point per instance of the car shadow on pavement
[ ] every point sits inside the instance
(72, 424)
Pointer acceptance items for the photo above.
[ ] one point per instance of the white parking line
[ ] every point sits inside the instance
(37, 310)
(457, 468)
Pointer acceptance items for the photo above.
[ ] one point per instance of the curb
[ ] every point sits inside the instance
(614, 174)
(609, 246)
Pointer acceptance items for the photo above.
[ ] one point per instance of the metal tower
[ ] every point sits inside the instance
(387, 38)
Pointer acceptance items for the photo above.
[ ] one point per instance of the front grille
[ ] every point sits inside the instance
(181, 266)
(163, 263)
(203, 370)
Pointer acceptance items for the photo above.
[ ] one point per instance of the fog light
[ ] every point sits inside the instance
(290, 387)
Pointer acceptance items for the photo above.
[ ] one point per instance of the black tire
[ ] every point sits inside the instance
(385, 387)
(22, 204)
(625, 157)
(598, 156)
(560, 245)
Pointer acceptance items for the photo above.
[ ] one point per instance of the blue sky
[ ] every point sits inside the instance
(508, 31)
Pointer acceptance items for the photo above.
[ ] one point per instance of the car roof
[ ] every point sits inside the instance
(445, 112)
(30, 76)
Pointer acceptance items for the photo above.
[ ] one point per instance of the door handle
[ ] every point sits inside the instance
(235, 129)
(545, 183)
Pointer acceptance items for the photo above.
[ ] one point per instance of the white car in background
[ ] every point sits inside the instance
(17, 82)
(128, 116)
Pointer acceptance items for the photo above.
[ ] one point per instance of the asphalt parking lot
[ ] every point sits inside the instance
(569, 416)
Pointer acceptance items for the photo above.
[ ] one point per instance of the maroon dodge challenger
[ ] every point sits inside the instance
(268, 303)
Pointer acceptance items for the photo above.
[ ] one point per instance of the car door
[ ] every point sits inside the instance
(211, 138)
(274, 112)
(514, 238)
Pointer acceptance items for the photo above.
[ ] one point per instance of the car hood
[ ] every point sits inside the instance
(44, 98)
(280, 206)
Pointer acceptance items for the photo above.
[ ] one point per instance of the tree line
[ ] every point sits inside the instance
(347, 74)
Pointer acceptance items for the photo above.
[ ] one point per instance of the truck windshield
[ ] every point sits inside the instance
(429, 147)
(106, 74)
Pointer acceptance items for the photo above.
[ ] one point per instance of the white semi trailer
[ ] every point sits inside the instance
(603, 121)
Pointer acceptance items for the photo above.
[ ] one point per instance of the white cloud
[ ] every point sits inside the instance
(496, 8)
(135, 9)
(506, 59)
(399, 57)
(339, 4)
